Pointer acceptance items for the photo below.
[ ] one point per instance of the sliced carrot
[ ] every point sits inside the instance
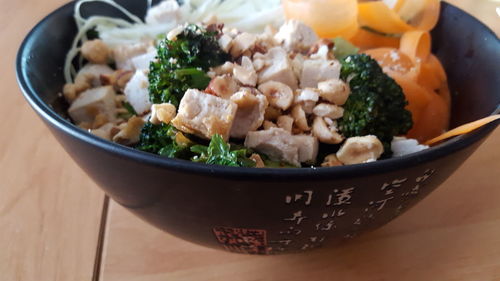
(380, 17)
(416, 44)
(328, 18)
(394, 61)
(464, 129)
(405, 15)
(417, 96)
(433, 121)
(427, 18)
(365, 39)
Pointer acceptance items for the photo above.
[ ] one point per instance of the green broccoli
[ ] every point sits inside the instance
(376, 105)
(167, 141)
(164, 140)
(221, 153)
(181, 64)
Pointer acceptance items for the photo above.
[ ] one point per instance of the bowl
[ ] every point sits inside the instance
(267, 211)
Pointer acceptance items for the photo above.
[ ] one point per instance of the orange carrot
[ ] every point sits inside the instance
(464, 129)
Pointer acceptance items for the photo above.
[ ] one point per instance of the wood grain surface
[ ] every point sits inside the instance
(50, 212)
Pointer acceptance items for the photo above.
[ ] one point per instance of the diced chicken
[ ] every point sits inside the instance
(331, 160)
(278, 68)
(328, 110)
(137, 92)
(326, 133)
(142, 62)
(315, 71)
(259, 64)
(401, 146)
(307, 98)
(242, 42)
(278, 94)
(95, 71)
(123, 54)
(95, 51)
(225, 42)
(334, 90)
(166, 12)
(299, 117)
(308, 148)
(226, 68)
(131, 132)
(204, 115)
(357, 150)
(265, 41)
(285, 122)
(245, 73)
(93, 102)
(326, 45)
(162, 113)
(296, 36)
(276, 143)
(323, 53)
(222, 86)
(297, 65)
(250, 113)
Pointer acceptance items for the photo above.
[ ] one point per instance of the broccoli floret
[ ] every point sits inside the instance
(167, 141)
(164, 140)
(181, 64)
(221, 153)
(376, 105)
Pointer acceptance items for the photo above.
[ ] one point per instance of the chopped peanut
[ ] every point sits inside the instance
(95, 51)
(328, 110)
(299, 117)
(331, 160)
(285, 122)
(100, 120)
(164, 112)
(326, 133)
(130, 132)
(259, 163)
(278, 94)
(268, 124)
(334, 90)
(358, 150)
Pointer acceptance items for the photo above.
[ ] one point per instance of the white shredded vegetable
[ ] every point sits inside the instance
(245, 15)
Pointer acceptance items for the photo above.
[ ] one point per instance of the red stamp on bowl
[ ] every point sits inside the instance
(242, 240)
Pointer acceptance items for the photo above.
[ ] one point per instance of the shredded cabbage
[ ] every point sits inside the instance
(245, 15)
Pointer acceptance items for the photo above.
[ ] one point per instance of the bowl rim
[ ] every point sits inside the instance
(46, 112)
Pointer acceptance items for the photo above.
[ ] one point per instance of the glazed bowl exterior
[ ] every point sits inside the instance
(267, 211)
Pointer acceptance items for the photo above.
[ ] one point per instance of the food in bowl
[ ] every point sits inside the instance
(297, 209)
(198, 89)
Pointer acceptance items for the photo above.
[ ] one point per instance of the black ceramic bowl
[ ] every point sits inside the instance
(268, 211)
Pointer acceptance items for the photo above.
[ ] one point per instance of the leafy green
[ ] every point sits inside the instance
(181, 64)
(164, 140)
(376, 105)
(343, 48)
(220, 153)
(167, 141)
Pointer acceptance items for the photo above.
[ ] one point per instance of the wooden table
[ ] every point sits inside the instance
(56, 224)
